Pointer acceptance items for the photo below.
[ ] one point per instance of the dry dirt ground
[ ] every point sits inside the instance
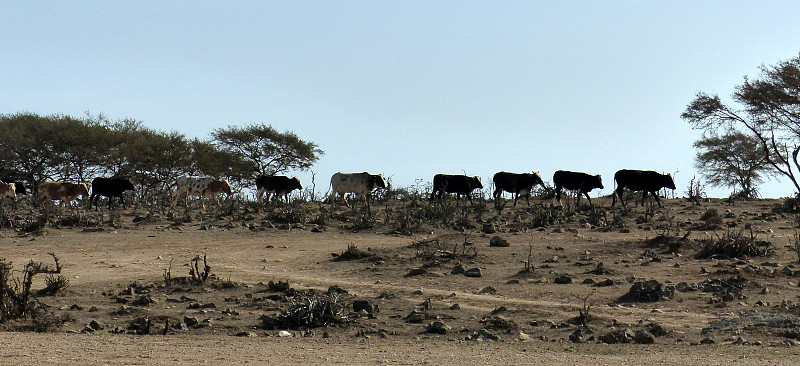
(746, 306)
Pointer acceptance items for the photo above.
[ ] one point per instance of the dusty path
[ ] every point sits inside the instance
(81, 349)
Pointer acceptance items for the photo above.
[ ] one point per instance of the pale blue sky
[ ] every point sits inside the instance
(407, 89)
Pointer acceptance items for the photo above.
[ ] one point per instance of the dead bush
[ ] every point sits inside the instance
(199, 276)
(308, 310)
(352, 253)
(17, 301)
(53, 284)
(734, 245)
(712, 219)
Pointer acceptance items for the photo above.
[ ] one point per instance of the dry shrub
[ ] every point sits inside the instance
(53, 284)
(712, 219)
(308, 310)
(734, 245)
(352, 253)
(17, 300)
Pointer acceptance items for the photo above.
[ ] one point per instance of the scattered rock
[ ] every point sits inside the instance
(707, 340)
(643, 337)
(367, 305)
(473, 272)
(459, 269)
(488, 290)
(246, 334)
(497, 241)
(648, 291)
(190, 322)
(95, 325)
(482, 335)
(438, 327)
(415, 272)
(563, 279)
(618, 336)
(579, 336)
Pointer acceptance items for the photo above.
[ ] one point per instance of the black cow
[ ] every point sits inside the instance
(641, 180)
(278, 184)
(109, 187)
(19, 187)
(516, 183)
(458, 184)
(576, 181)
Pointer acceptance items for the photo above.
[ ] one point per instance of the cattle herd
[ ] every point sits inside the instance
(359, 184)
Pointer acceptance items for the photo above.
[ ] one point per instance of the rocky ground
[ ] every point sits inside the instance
(411, 282)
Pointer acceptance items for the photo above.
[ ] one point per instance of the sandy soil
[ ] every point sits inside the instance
(102, 261)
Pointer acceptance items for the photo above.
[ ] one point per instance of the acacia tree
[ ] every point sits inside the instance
(733, 160)
(266, 150)
(770, 113)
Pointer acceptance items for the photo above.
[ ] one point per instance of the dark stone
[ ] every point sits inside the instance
(497, 241)
(415, 272)
(563, 279)
(438, 327)
(473, 272)
(643, 337)
(459, 269)
(366, 305)
(190, 322)
(618, 336)
(648, 291)
(95, 325)
(579, 336)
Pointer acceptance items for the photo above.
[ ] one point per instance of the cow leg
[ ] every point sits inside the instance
(644, 197)
(587, 197)
(617, 193)
(260, 194)
(557, 196)
(656, 197)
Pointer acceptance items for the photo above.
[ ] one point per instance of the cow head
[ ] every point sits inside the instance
(83, 190)
(596, 182)
(376, 181)
(220, 186)
(295, 184)
(475, 182)
(536, 179)
(668, 182)
(127, 185)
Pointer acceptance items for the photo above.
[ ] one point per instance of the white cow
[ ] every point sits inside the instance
(199, 186)
(356, 183)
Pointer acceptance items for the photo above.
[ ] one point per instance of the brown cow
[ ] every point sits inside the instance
(65, 192)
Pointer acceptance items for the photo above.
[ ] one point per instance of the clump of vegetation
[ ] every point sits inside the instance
(199, 276)
(734, 245)
(434, 248)
(17, 301)
(352, 253)
(696, 191)
(544, 216)
(308, 310)
(712, 219)
(53, 284)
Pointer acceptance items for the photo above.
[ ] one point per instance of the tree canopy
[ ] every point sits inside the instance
(733, 160)
(768, 111)
(266, 150)
(34, 148)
